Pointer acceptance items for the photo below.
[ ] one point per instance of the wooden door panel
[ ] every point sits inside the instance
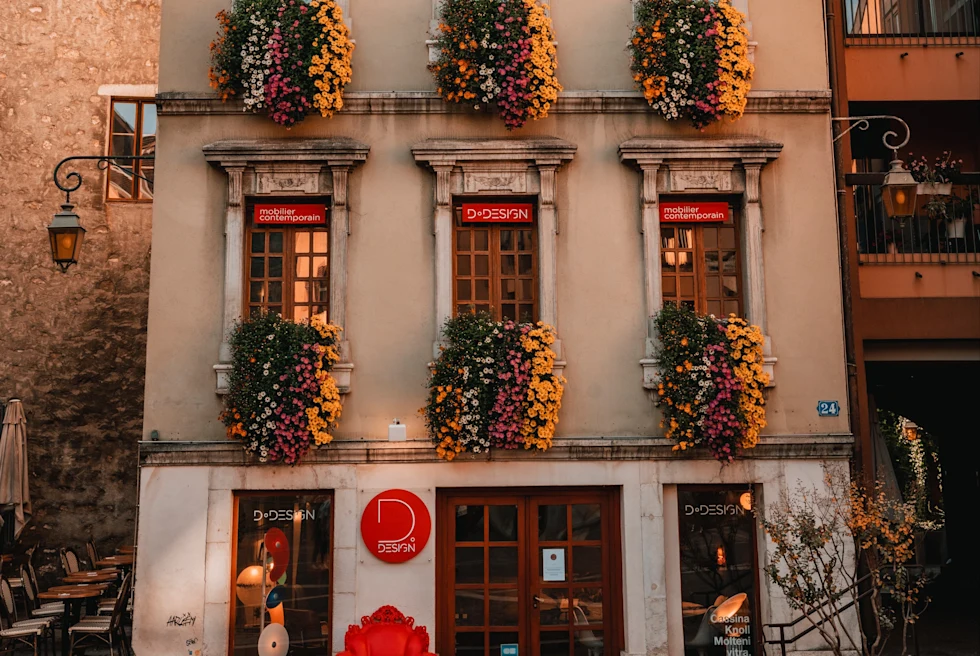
(492, 586)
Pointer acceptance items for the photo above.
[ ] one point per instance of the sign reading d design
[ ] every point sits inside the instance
(395, 526)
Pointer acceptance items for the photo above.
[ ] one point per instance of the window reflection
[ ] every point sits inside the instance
(718, 571)
(289, 539)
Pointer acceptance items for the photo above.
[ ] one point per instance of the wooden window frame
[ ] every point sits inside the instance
(612, 568)
(137, 149)
(494, 274)
(237, 495)
(289, 256)
(698, 250)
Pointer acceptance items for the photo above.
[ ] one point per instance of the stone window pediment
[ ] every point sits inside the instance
(282, 168)
(731, 166)
(497, 167)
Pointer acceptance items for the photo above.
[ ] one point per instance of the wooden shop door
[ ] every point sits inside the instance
(539, 569)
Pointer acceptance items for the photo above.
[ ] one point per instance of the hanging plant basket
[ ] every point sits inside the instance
(712, 379)
(690, 58)
(283, 58)
(282, 399)
(498, 56)
(493, 387)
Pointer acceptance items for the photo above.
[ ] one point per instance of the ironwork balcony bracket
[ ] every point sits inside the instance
(72, 180)
(864, 122)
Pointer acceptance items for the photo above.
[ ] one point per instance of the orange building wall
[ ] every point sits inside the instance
(926, 73)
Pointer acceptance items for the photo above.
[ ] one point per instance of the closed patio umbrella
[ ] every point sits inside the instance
(13, 465)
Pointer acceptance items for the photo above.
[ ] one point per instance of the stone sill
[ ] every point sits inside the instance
(341, 373)
(817, 101)
(227, 453)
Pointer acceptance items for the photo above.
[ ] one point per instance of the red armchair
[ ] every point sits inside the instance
(386, 632)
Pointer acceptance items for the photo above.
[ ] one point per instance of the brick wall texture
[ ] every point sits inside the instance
(72, 346)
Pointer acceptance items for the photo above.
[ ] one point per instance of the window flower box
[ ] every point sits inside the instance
(493, 387)
(712, 376)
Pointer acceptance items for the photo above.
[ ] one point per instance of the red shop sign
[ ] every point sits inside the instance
(498, 212)
(693, 212)
(290, 214)
(395, 526)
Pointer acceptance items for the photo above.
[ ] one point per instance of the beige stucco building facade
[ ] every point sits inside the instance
(391, 164)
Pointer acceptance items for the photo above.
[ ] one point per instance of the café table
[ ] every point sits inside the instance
(71, 598)
(116, 561)
(98, 576)
(74, 586)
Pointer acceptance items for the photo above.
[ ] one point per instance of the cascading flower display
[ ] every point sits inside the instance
(712, 378)
(690, 58)
(498, 55)
(282, 399)
(493, 387)
(286, 58)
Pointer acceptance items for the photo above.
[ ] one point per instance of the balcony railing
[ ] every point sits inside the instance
(945, 229)
(912, 22)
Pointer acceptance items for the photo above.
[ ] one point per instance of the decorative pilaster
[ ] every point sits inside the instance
(339, 231)
(442, 228)
(234, 264)
(653, 282)
(548, 255)
(753, 259)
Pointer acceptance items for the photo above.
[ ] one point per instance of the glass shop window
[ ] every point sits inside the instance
(719, 573)
(283, 572)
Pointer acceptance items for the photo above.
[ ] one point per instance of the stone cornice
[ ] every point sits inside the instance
(660, 149)
(450, 151)
(226, 453)
(175, 103)
(244, 152)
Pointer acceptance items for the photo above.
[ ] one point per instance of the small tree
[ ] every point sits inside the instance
(816, 537)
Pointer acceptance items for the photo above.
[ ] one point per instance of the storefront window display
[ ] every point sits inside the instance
(719, 574)
(283, 562)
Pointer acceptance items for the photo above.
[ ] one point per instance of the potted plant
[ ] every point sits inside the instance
(935, 179)
(959, 210)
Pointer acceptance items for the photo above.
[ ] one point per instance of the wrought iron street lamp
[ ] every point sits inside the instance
(899, 189)
(66, 232)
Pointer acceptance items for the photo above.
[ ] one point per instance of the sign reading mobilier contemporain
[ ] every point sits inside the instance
(395, 526)
(693, 212)
(290, 214)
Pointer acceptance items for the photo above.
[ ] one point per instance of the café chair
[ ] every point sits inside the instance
(51, 610)
(17, 583)
(93, 553)
(386, 632)
(108, 630)
(25, 632)
(69, 561)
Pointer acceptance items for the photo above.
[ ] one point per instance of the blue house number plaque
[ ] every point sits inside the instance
(828, 409)
(508, 650)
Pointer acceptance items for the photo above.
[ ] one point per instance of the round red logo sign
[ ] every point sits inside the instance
(395, 526)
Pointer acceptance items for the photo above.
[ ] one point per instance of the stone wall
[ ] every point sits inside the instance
(72, 346)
